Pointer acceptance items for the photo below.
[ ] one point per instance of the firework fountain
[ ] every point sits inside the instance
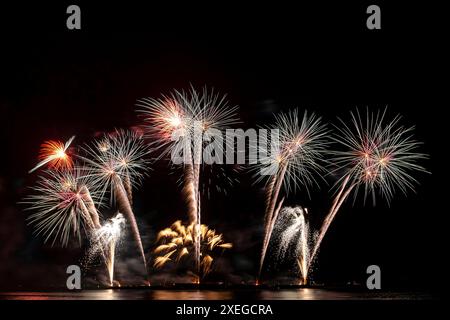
(295, 238)
(179, 124)
(105, 240)
(379, 156)
(297, 160)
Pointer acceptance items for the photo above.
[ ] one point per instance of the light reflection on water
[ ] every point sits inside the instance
(163, 294)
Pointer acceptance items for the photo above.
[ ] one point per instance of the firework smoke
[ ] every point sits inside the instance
(116, 163)
(297, 160)
(378, 156)
(54, 153)
(177, 242)
(179, 124)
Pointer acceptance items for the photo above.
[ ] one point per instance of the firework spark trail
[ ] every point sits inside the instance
(124, 206)
(90, 205)
(295, 231)
(113, 162)
(337, 202)
(197, 159)
(271, 215)
(268, 233)
(190, 191)
(177, 242)
(128, 188)
(54, 154)
(111, 260)
(62, 203)
(303, 248)
(297, 159)
(269, 193)
(179, 124)
(86, 216)
(379, 156)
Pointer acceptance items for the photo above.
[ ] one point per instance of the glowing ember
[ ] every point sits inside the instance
(177, 242)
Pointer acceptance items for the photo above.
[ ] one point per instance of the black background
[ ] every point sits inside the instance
(55, 83)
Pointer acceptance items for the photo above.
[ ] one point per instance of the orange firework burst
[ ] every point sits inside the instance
(54, 153)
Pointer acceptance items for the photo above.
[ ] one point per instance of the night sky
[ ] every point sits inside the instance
(55, 83)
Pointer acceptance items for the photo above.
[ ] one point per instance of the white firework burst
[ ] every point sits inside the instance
(63, 204)
(182, 119)
(377, 155)
(117, 157)
(299, 153)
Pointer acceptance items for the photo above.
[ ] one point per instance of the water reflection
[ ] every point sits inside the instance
(191, 295)
(250, 293)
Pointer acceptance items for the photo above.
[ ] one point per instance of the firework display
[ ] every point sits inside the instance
(369, 155)
(116, 163)
(298, 159)
(377, 156)
(180, 124)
